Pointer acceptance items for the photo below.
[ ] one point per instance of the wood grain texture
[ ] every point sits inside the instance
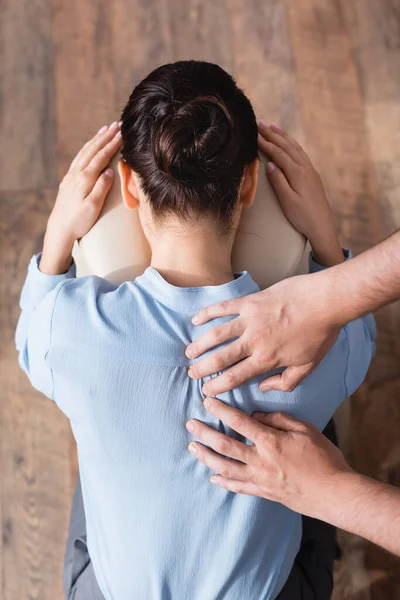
(35, 438)
(141, 42)
(264, 62)
(335, 127)
(84, 77)
(27, 125)
(327, 70)
(374, 27)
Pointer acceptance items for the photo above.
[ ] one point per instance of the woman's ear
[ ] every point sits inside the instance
(129, 190)
(249, 183)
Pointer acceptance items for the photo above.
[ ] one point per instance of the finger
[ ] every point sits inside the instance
(219, 442)
(280, 420)
(274, 127)
(282, 140)
(281, 158)
(235, 419)
(224, 466)
(232, 378)
(222, 309)
(218, 360)
(91, 147)
(278, 180)
(102, 158)
(101, 187)
(237, 486)
(288, 379)
(215, 336)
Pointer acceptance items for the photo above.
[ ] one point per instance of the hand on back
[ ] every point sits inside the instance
(290, 324)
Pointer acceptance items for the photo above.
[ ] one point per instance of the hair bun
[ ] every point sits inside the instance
(193, 144)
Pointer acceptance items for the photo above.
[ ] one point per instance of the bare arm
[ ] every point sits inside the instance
(295, 322)
(277, 467)
(367, 282)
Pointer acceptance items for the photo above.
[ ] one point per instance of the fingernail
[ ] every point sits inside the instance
(195, 319)
(113, 125)
(264, 387)
(262, 122)
(189, 425)
(207, 402)
(103, 129)
(192, 448)
(189, 352)
(276, 126)
(109, 172)
(271, 167)
(120, 123)
(213, 479)
(118, 134)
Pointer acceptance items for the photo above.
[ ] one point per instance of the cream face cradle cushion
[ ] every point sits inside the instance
(266, 244)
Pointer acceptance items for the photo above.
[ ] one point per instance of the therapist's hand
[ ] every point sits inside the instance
(295, 322)
(291, 462)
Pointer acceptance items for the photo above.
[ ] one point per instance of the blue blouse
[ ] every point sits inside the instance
(112, 358)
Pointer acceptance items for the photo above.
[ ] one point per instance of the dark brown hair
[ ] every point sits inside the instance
(188, 131)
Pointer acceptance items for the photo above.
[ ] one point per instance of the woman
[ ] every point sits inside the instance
(113, 356)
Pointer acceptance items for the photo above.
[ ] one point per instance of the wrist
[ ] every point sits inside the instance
(56, 254)
(328, 251)
(331, 495)
(329, 298)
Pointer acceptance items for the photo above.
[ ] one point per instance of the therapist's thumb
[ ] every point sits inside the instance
(288, 380)
(279, 420)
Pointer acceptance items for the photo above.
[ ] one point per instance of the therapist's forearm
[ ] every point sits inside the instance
(362, 506)
(365, 283)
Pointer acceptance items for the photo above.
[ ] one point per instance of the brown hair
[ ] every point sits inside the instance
(188, 131)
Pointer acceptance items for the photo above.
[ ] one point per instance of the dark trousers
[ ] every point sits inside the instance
(311, 577)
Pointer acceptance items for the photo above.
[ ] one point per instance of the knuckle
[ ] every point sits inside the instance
(218, 363)
(237, 422)
(222, 446)
(288, 386)
(216, 335)
(86, 175)
(274, 444)
(224, 305)
(232, 378)
(225, 472)
(265, 358)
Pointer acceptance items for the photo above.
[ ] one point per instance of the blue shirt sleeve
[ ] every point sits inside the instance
(361, 340)
(34, 328)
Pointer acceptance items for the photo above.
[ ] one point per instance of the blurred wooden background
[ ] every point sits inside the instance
(327, 70)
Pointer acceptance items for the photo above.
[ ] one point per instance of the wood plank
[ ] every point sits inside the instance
(374, 27)
(84, 75)
(264, 62)
(26, 89)
(35, 434)
(141, 42)
(200, 30)
(334, 121)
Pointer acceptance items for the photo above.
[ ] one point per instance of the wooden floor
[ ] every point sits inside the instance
(328, 70)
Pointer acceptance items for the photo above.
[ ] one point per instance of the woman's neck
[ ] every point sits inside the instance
(192, 258)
